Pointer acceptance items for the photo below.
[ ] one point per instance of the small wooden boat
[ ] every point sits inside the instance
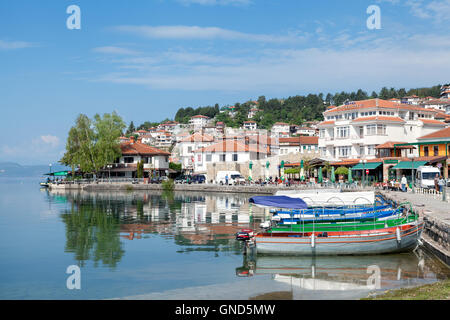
(361, 240)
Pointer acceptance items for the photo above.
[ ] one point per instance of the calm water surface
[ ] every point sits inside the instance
(147, 245)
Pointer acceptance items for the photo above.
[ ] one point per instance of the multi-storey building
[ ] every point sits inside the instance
(250, 125)
(187, 146)
(199, 121)
(280, 127)
(445, 91)
(301, 144)
(354, 130)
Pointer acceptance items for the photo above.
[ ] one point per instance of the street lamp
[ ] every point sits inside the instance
(411, 156)
(364, 171)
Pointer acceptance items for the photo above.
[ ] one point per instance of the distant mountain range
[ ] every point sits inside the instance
(12, 169)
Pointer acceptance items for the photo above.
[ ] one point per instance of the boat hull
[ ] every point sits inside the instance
(377, 242)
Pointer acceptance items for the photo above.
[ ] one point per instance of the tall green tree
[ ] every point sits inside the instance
(107, 130)
(92, 145)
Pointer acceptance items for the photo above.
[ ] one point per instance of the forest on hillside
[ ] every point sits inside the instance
(294, 110)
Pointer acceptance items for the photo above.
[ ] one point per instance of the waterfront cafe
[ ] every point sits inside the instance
(434, 148)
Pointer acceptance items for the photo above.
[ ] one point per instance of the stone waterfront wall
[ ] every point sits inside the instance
(436, 233)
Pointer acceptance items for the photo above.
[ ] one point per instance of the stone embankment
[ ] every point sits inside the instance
(436, 215)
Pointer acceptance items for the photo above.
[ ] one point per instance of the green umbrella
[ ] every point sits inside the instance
(282, 170)
(250, 167)
(350, 180)
(320, 177)
(302, 171)
(267, 170)
(333, 178)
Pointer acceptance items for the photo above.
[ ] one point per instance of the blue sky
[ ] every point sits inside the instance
(147, 58)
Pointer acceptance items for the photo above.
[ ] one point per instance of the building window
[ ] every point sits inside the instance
(361, 151)
(235, 157)
(371, 129)
(344, 152)
(222, 157)
(128, 159)
(381, 129)
(189, 150)
(322, 133)
(371, 150)
(343, 132)
(436, 150)
(208, 158)
(425, 151)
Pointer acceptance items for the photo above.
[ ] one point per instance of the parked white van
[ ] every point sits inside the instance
(234, 177)
(425, 176)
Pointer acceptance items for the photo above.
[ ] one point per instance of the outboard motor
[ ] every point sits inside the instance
(244, 235)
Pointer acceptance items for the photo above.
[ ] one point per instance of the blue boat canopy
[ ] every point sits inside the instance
(279, 202)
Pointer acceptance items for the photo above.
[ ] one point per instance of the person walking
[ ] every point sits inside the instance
(403, 183)
(436, 182)
(226, 179)
(441, 184)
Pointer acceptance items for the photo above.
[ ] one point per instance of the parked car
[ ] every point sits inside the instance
(183, 178)
(198, 178)
(234, 177)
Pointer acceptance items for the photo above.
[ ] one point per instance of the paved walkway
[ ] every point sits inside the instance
(431, 205)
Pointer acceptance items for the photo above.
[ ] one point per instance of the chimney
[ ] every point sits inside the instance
(132, 139)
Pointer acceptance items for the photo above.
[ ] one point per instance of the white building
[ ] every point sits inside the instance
(252, 112)
(445, 91)
(156, 161)
(438, 104)
(280, 127)
(352, 131)
(199, 122)
(232, 151)
(305, 131)
(250, 125)
(301, 145)
(188, 145)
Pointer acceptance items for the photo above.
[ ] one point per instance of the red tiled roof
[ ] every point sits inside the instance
(379, 118)
(138, 148)
(300, 140)
(444, 133)
(433, 122)
(390, 145)
(281, 124)
(200, 116)
(377, 103)
(198, 137)
(326, 123)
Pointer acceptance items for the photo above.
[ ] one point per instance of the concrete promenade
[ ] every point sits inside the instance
(435, 213)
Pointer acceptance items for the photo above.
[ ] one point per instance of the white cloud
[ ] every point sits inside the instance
(115, 50)
(52, 141)
(205, 33)
(12, 45)
(407, 62)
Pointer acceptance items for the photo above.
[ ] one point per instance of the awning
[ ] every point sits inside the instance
(279, 202)
(58, 173)
(409, 165)
(367, 165)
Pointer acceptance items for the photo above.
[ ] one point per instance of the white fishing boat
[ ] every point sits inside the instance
(319, 198)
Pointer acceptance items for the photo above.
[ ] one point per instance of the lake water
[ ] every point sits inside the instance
(147, 245)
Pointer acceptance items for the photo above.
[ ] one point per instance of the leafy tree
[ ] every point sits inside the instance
(92, 145)
(131, 128)
(140, 169)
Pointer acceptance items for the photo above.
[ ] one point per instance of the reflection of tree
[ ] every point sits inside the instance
(93, 234)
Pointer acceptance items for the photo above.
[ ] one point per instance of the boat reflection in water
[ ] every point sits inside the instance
(357, 276)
